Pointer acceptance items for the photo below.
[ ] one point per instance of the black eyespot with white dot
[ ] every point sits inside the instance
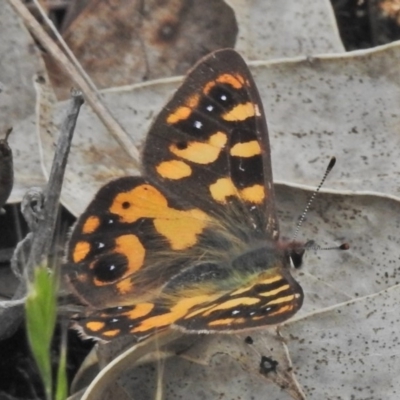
(223, 95)
(110, 267)
(220, 99)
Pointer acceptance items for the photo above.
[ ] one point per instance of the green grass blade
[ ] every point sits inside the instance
(41, 314)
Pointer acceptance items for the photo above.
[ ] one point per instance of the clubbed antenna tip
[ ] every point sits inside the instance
(331, 164)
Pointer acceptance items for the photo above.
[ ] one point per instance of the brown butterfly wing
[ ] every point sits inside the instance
(130, 241)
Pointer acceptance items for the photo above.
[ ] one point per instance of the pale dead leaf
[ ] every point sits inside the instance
(350, 351)
(344, 106)
(20, 61)
(270, 29)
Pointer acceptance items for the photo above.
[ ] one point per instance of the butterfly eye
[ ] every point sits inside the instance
(110, 267)
(296, 258)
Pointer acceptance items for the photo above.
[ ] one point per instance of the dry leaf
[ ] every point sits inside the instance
(271, 29)
(127, 41)
(20, 61)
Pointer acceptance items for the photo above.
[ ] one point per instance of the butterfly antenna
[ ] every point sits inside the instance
(331, 164)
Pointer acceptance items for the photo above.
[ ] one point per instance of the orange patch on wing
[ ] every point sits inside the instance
(179, 310)
(275, 291)
(282, 310)
(232, 304)
(253, 194)
(183, 230)
(227, 321)
(111, 334)
(200, 152)
(131, 247)
(179, 227)
(183, 112)
(222, 189)
(124, 286)
(248, 149)
(199, 311)
(240, 112)
(81, 250)
(281, 300)
(140, 310)
(95, 326)
(236, 81)
(173, 169)
(91, 224)
(267, 281)
(192, 101)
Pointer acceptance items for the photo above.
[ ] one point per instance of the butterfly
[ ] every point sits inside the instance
(193, 243)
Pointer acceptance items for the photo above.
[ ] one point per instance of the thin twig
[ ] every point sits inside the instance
(98, 107)
(45, 230)
(64, 45)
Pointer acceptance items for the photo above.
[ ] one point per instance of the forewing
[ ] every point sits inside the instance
(210, 146)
